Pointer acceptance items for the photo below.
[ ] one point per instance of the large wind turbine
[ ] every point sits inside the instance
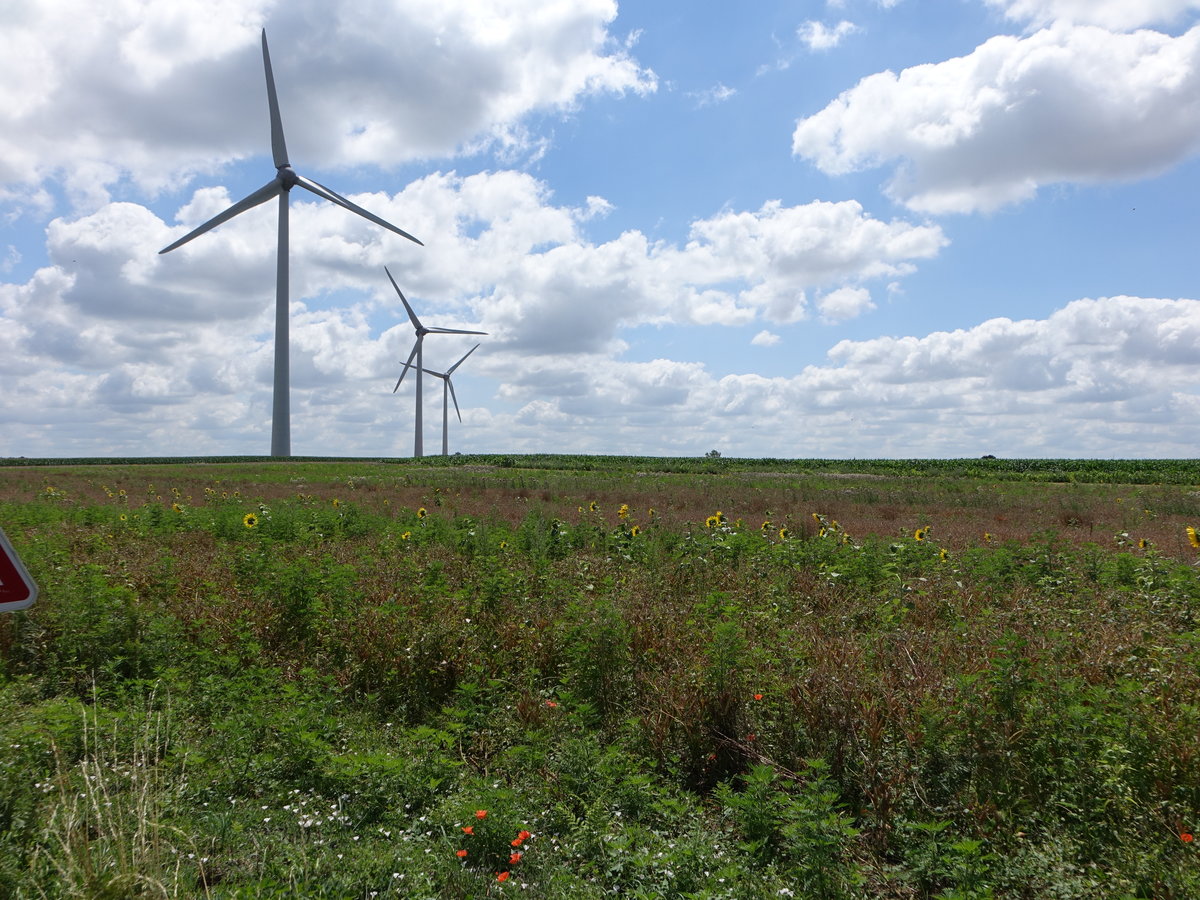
(448, 387)
(285, 179)
(421, 330)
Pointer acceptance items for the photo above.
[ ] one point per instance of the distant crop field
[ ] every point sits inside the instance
(602, 676)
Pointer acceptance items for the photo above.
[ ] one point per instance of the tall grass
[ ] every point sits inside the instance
(891, 687)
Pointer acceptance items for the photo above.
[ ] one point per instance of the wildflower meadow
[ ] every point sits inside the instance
(585, 677)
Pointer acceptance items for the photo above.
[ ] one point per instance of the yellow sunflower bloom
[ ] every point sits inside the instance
(250, 520)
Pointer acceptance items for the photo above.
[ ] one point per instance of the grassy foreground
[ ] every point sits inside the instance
(583, 678)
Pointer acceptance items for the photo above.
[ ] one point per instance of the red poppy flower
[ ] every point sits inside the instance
(502, 876)
(758, 696)
(516, 842)
(751, 737)
(1187, 837)
(468, 829)
(461, 853)
(524, 835)
(481, 813)
(551, 704)
(515, 858)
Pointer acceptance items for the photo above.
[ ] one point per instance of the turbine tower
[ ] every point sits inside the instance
(285, 179)
(418, 449)
(448, 387)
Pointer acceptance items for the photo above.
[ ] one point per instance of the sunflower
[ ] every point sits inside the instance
(919, 534)
(250, 520)
(422, 513)
(175, 507)
(623, 511)
(635, 530)
(783, 534)
(593, 507)
(1193, 537)
(711, 522)
(406, 536)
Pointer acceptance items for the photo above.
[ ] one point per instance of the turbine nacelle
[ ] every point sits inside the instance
(287, 177)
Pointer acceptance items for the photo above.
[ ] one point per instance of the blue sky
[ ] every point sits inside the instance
(849, 229)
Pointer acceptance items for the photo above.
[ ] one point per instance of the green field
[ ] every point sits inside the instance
(567, 677)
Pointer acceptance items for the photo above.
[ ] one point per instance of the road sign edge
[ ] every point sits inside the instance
(11, 553)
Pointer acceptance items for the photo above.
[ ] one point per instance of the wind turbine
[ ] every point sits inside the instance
(285, 179)
(448, 386)
(418, 449)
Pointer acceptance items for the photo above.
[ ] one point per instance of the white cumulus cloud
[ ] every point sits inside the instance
(158, 93)
(765, 338)
(173, 353)
(844, 303)
(818, 36)
(1067, 104)
(1114, 14)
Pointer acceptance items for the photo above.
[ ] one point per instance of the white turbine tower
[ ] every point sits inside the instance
(448, 387)
(418, 448)
(285, 179)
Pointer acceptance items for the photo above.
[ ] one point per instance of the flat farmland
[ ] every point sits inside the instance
(599, 676)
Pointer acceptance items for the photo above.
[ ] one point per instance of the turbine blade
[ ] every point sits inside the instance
(262, 195)
(278, 147)
(452, 331)
(404, 371)
(334, 197)
(450, 384)
(428, 371)
(450, 371)
(411, 315)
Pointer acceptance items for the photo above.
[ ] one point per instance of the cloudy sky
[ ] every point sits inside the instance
(862, 228)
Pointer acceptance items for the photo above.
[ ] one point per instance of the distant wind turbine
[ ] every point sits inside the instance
(285, 179)
(448, 386)
(418, 449)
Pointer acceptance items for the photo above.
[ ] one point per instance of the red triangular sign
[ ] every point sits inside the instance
(17, 589)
